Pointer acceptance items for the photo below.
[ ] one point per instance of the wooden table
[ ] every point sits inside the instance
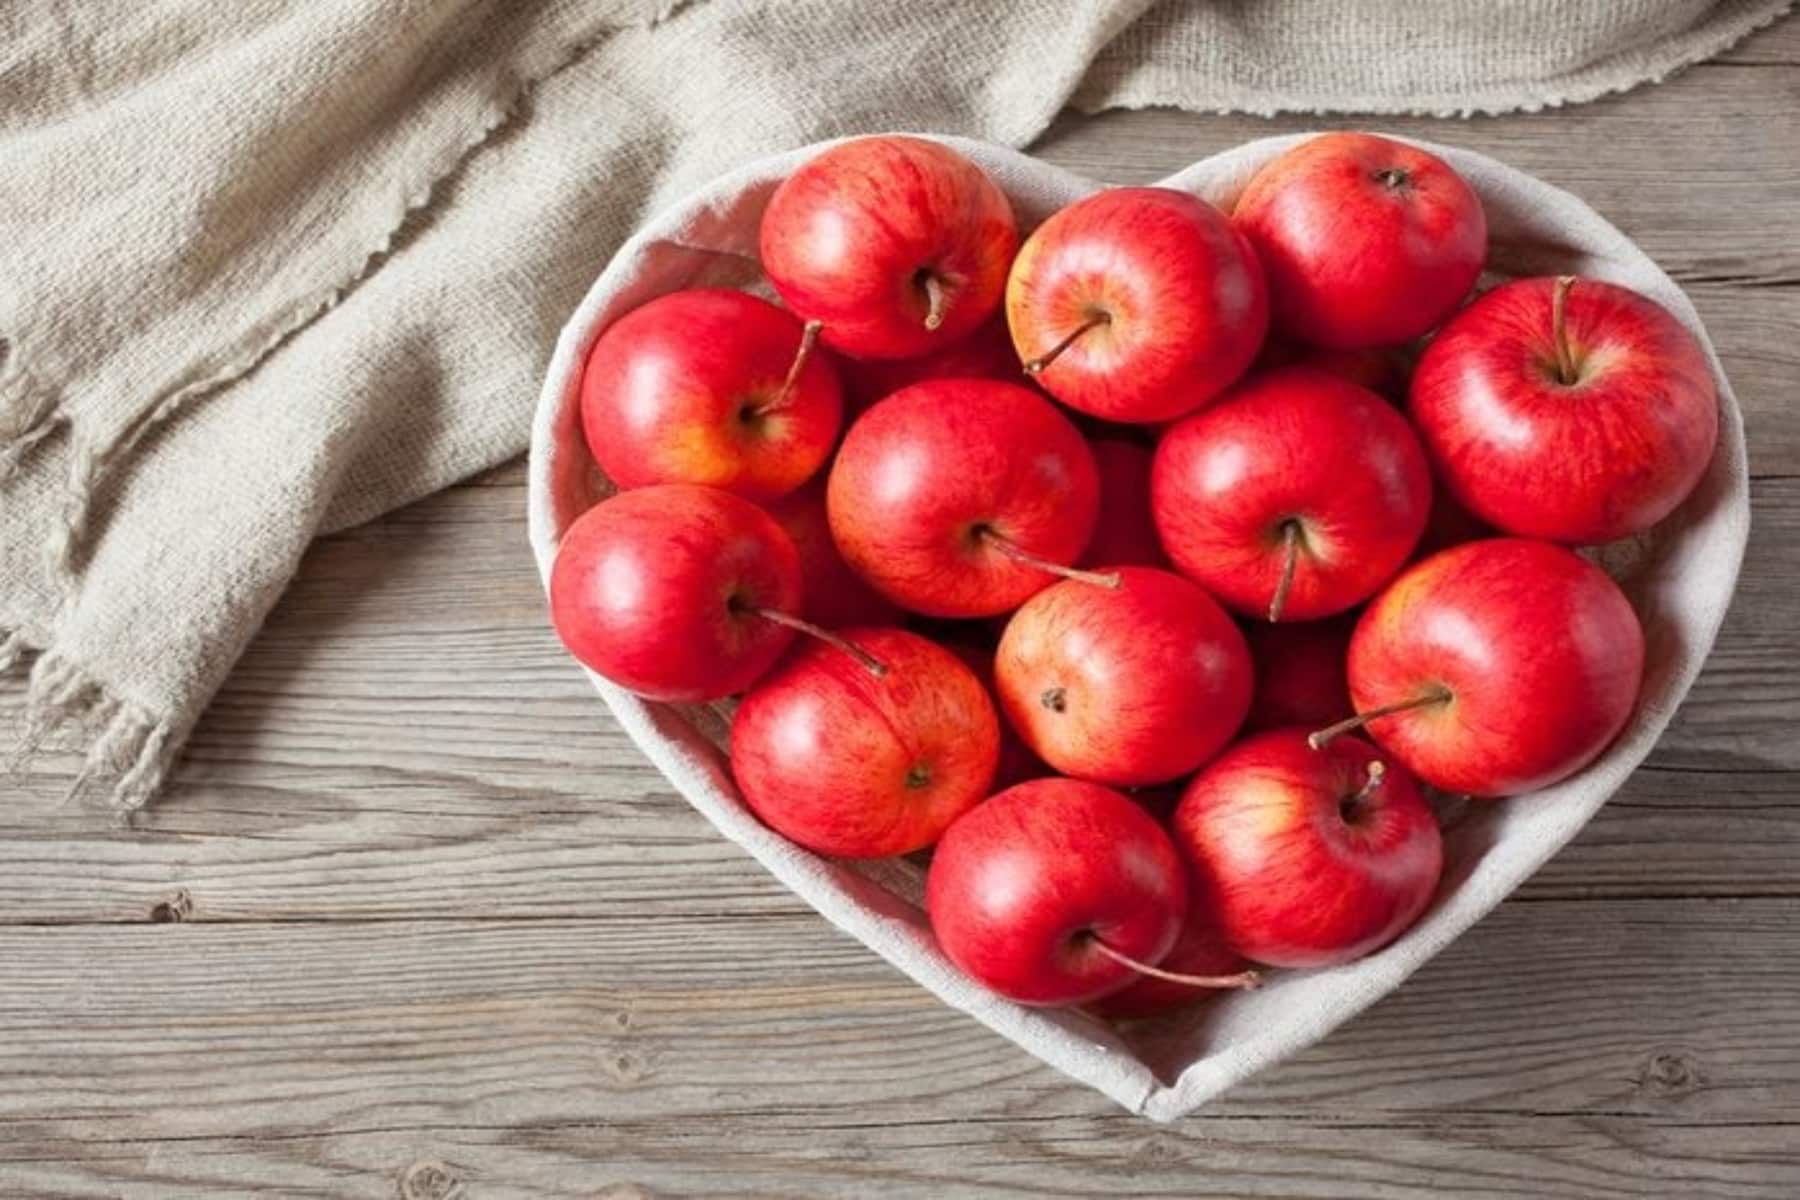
(414, 919)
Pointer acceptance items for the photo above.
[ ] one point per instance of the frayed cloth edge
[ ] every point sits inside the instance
(126, 750)
(1166, 88)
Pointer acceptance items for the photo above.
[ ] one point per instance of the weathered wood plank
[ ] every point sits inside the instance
(377, 852)
(781, 1155)
(1776, 46)
(249, 1027)
(1583, 1044)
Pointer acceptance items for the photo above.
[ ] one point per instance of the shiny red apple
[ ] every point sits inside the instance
(987, 353)
(835, 596)
(1124, 533)
(1309, 858)
(1136, 304)
(1566, 409)
(1055, 891)
(1501, 666)
(1128, 686)
(1300, 672)
(672, 591)
(865, 757)
(1366, 241)
(710, 386)
(962, 497)
(898, 244)
(1295, 497)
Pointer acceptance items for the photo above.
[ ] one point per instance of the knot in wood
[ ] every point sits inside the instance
(177, 906)
(429, 1180)
(1670, 1073)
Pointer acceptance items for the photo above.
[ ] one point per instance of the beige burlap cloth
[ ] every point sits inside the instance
(272, 267)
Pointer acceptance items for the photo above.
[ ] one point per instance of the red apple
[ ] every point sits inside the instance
(1295, 497)
(1017, 762)
(1366, 241)
(836, 596)
(1200, 949)
(1309, 858)
(851, 762)
(1300, 676)
(1130, 685)
(1450, 524)
(1571, 410)
(986, 353)
(962, 497)
(710, 386)
(1136, 304)
(1124, 534)
(1497, 667)
(899, 245)
(1056, 891)
(1384, 370)
(668, 591)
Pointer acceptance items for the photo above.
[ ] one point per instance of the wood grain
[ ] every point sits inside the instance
(415, 920)
(686, 1052)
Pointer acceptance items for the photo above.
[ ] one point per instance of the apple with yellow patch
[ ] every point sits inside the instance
(714, 387)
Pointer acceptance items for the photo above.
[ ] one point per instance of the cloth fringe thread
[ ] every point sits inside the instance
(127, 751)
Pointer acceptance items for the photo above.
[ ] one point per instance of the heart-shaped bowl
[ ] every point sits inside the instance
(1680, 578)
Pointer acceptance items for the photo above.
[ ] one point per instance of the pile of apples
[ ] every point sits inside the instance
(1156, 574)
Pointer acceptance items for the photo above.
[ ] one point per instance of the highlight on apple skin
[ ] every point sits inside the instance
(1027, 890)
(659, 590)
(710, 386)
(1367, 241)
(1295, 497)
(899, 246)
(849, 761)
(1502, 666)
(1566, 409)
(1309, 857)
(962, 497)
(1128, 686)
(1136, 304)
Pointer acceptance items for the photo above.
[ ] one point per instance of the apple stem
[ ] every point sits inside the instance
(1376, 769)
(1036, 366)
(934, 299)
(1319, 740)
(1559, 336)
(872, 664)
(809, 337)
(1012, 550)
(1243, 979)
(1290, 541)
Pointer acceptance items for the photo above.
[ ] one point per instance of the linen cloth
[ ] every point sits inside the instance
(1680, 577)
(273, 267)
